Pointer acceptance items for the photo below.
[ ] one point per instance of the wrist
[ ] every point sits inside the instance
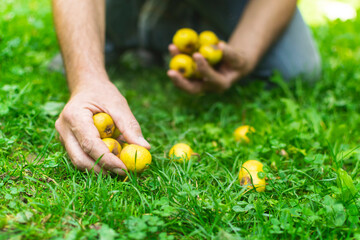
(86, 78)
(249, 53)
(248, 60)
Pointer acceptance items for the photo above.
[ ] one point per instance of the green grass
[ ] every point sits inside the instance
(310, 193)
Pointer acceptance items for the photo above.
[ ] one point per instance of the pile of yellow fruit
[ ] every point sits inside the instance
(136, 158)
(188, 42)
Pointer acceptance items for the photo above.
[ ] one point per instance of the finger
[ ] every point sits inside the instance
(128, 125)
(89, 140)
(80, 160)
(173, 50)
(59, 129)
(209, 74)
(121, 138)
(193, 87)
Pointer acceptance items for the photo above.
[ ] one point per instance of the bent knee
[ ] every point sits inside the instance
(309, 70)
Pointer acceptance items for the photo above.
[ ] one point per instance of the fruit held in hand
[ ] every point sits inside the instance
(124, 144)
(252, 175)
(136, 158)
(113, 145)
(116, 133)
(241, 133)
(104, 124)
(211, 53)
(186, 40)
(181, 152)
(208, 38)
(183, 64)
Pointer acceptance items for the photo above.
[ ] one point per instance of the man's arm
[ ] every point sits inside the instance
(261, 23)
(80, 28)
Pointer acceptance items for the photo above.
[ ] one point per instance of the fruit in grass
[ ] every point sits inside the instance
(252, 175)
(186, 40)
(113, 146)
(136, 158)
(241, 133)
(211, 53)
(208, 38)
(183, 64)
(181, 152)
(104, 124)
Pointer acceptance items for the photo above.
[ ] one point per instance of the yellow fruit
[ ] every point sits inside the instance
(104, 124)
(186, 40)
(113, 145)
(241, 132)
(116, 133)
(252, 175)
(208, 38)
(180, 152)
(183, 64)
(135, 157)
(211, 53)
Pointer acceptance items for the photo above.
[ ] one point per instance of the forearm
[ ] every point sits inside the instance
(262, 22)
(80, 27)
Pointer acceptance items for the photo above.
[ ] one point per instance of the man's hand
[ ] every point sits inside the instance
(252, 37)
(80, 27)
(233, 66)
(79, 134)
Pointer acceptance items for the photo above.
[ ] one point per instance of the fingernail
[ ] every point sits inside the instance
(171, 73)
(118, 171)
(143, 142)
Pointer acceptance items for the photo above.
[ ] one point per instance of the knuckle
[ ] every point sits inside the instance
(67, 115)
(58, 125)
(133, 124)
(87, 145)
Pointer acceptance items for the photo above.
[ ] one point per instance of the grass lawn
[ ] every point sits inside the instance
(310, 193)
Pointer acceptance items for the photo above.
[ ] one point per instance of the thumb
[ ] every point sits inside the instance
(129, 127)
